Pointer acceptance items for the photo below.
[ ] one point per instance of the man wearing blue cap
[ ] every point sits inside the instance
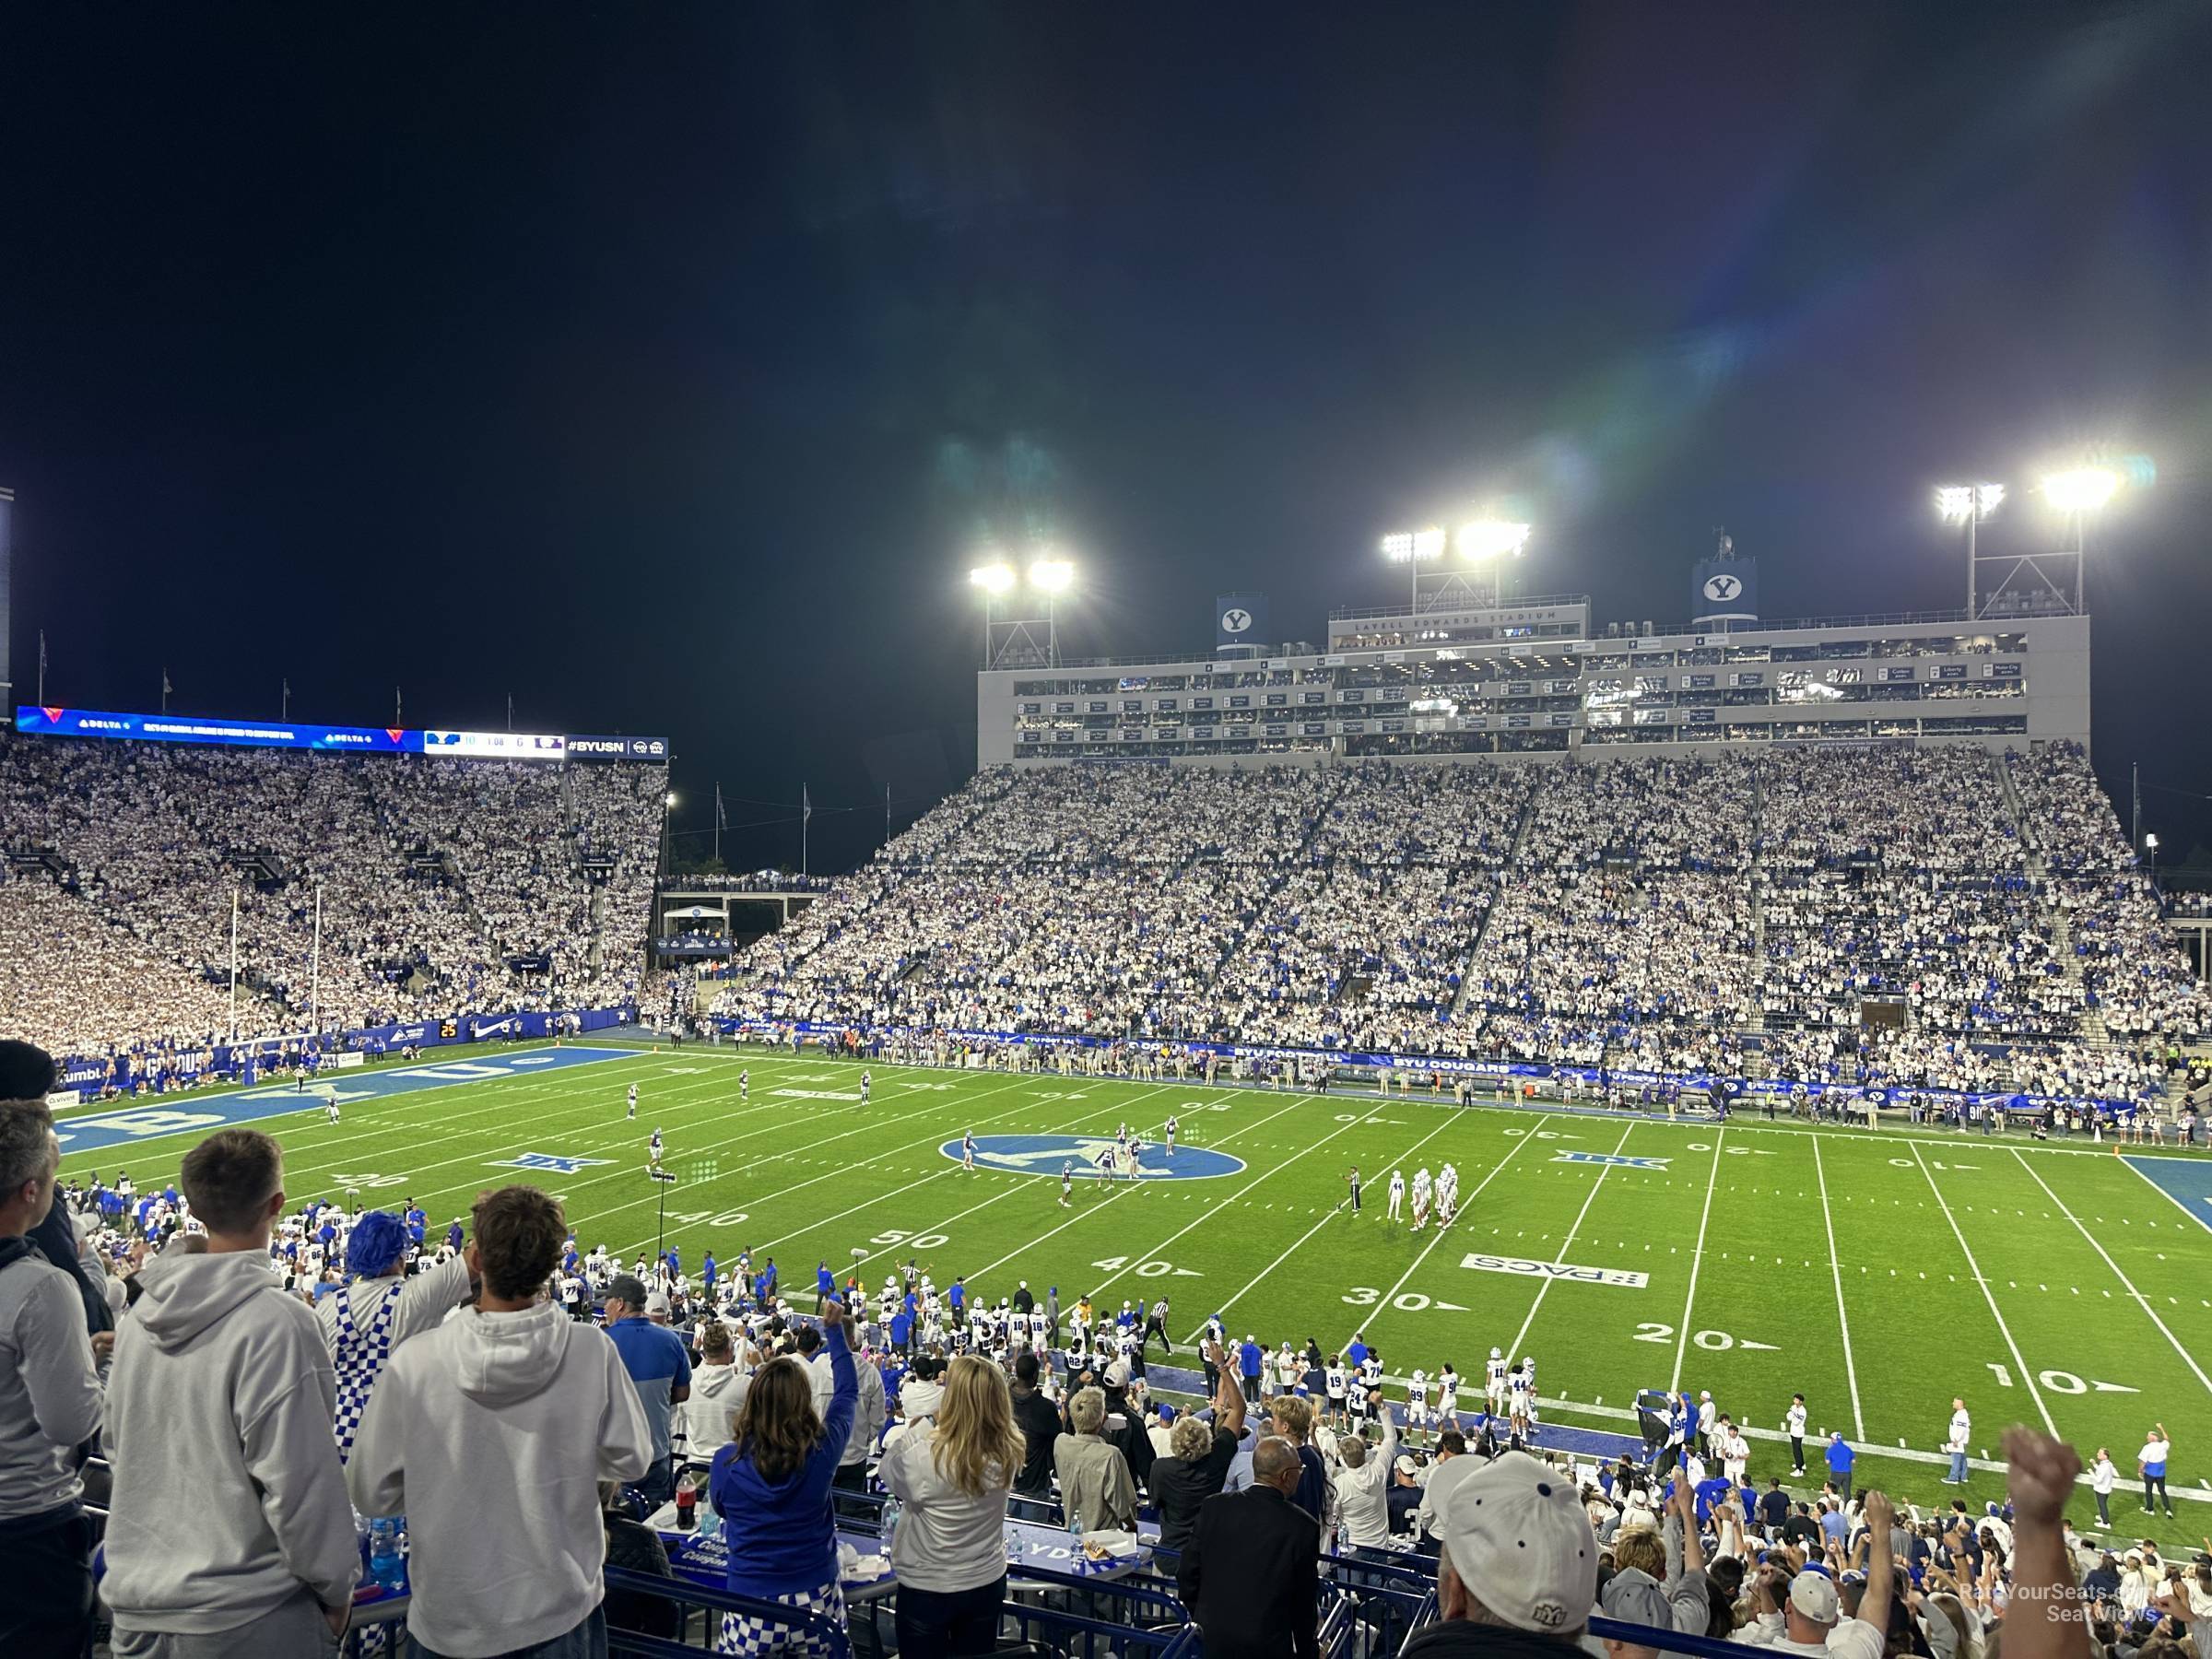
(378, 1309)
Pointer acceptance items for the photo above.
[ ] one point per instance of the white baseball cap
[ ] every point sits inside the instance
(1816, 1597)
(1522, 1544)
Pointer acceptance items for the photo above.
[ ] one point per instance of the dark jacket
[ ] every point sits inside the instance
(1247, 1576)
(1040, 1424)
(1181, 1486)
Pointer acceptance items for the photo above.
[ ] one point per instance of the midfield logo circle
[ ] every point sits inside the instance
(1045, 1154)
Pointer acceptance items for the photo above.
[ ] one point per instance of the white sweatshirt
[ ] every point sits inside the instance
(48, 1392)
(491, 1435)
(228, 1499)
(716, 1392)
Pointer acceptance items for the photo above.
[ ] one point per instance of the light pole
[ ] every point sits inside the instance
(2151, 846)
(1969, 504)
(314, 971)
(1492, 541)
(1051, 576)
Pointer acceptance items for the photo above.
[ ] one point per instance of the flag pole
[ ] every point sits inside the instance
(234, 944)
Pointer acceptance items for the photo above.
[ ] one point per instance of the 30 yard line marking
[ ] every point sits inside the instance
(1544, 1288)
(2004, 1330)
(1697, 1260)
(1851, 1370)
(2125, 1284)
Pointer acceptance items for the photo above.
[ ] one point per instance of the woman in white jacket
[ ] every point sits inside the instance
(953, 1472)
(717, 1388)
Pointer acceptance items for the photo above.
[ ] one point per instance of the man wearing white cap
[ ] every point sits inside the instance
(1805, 1614)
(1518, 1568)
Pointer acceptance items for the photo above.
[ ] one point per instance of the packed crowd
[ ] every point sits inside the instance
(1690, 917)
(493, 884)
(448, 1391)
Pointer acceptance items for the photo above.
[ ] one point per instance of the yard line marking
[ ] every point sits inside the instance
(2027, 1376)
(1020, 1183)
(1129, 1187)
(2142, 1301)
(1697, 1260)
(1543, 1290)
(1273, 1170)
(1851, 1370)
(1332, 1214)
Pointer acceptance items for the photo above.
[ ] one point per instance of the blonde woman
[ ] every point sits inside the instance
(952, 1474)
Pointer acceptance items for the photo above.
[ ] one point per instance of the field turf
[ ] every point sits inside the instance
(1880, 1274)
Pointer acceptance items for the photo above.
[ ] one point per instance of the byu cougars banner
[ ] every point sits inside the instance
(1239, 619)
(1723, 590)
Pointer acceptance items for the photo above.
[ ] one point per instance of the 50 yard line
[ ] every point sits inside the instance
(1697, 1260)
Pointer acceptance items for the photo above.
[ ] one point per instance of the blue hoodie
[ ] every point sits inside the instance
(782, 1539)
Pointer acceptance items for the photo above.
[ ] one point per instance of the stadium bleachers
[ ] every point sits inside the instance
(502, 884)
(1665, 915)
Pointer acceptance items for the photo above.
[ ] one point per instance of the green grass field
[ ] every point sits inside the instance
(1879, 1274)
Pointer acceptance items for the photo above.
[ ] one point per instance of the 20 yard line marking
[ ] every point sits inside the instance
(1521, 1336)
(1697, 1260)
(1851, 1370)
(2125, 1284)
(2004, 1330)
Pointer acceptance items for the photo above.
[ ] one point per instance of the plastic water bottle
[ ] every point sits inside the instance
(1343, 1537)
(891, 1522)
(387, 1566)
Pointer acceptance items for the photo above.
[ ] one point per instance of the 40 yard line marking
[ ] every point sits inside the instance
(1521, 1336)
(1697, 1260)
(2125, 1284)
(1851, 1370)
(2004, 1330)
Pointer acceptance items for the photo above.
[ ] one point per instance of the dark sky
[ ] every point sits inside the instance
(662, 364)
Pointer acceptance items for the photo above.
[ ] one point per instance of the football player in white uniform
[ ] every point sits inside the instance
(1494, 1384)
(1397, 1195)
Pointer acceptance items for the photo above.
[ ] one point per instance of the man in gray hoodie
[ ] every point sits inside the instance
(230, 1535)
(492, 1433)
(49, 1402)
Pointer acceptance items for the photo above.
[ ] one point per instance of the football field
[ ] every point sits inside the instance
(1879, 1274)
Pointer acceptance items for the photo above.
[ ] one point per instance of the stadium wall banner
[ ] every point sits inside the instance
(61, 1098)
(588, 748)
(140, 1069)
(1739, 1090)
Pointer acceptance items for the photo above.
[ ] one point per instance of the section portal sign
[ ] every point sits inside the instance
(1088, 1156)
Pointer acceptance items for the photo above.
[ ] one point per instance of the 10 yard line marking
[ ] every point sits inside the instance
(2004, 1330)
(2125, 1284)
(1851, 1370)
(1543, 1290)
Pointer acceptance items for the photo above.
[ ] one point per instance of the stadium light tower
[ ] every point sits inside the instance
(1490, 542)
(1031, 640)
(1969, 504)
(1052, 575)
(2078, 493)
(991, 579)
(1414, 549)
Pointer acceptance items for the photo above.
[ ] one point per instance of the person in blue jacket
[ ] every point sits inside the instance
(1840, 1459)
(825, 1286)
(770, 1485)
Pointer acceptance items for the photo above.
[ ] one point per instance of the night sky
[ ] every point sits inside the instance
(663, 366)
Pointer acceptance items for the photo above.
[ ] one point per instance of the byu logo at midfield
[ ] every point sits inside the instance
(1612, 1159)
(1722, 587)
(1044, 1154)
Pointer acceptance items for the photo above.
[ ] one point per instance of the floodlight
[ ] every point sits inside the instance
(1491, 538)
(2150, 842)
(2080, 488)
(993, 578)
(672, 797)
(1052, 575)
(1410, 546)
(1959, 502)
